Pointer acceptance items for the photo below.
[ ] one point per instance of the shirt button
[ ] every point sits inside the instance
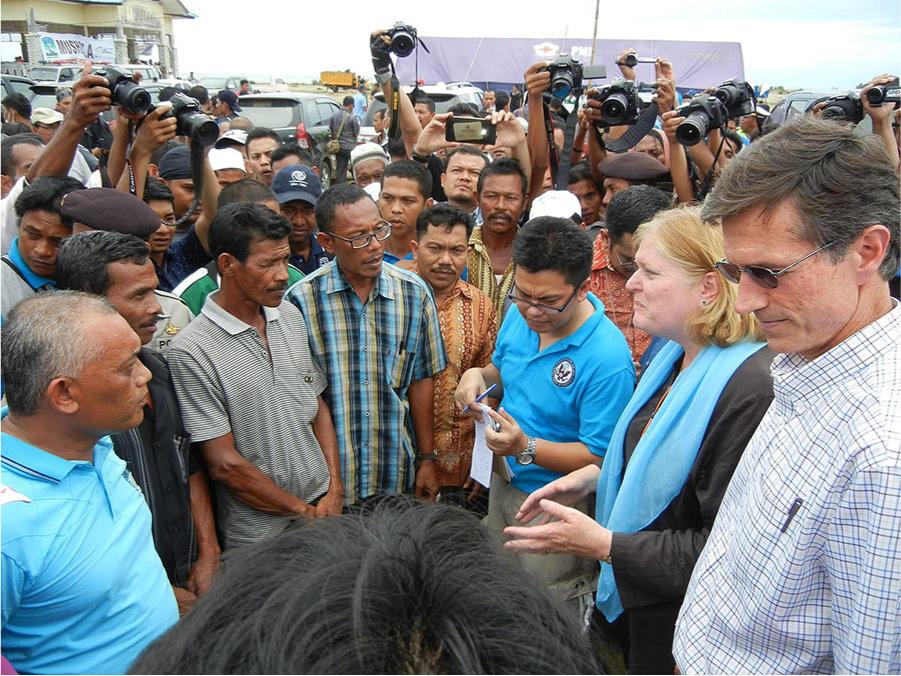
(308, 379)
(365, 382)
(366, 414)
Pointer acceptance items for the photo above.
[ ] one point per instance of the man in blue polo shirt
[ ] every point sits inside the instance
(564, 374)
(83, 590)
(30, 265)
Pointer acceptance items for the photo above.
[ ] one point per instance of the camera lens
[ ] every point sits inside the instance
(876, 95)
(132, 97)
(728, 95)
(630, 60)
(693, 129)
(403, 44)
(201, 128)
(562, 83)
(834, 112)
(614, 108)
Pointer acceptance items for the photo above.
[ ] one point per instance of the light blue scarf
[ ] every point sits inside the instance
(660, 464)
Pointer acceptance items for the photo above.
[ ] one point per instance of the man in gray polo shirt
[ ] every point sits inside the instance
(249, 390)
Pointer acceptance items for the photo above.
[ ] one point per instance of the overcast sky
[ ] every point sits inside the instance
(794, 43)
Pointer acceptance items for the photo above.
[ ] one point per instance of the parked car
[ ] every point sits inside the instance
(797, 103)
(17, 83)
(215, 83)
(296, 117)
(55, 74)
(445, 97)
(148, 72)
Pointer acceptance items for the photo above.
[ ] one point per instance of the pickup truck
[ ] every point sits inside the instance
(335, 80)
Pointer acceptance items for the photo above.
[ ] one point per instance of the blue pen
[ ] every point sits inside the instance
(481, 396)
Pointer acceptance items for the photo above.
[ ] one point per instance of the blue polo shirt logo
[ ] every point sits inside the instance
(564, 372)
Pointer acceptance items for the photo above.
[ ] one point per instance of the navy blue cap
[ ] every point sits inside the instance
(229, 97)
(297, 182)
(176, 164)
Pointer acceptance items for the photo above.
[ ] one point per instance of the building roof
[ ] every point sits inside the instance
(170, 7)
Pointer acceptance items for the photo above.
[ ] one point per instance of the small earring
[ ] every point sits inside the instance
(705, 303)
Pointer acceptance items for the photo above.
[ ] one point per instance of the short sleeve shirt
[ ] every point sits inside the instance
(226, 382)
(572, 391)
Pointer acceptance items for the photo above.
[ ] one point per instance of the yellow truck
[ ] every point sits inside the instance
(335, 80)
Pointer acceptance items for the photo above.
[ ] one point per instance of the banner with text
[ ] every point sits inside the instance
(68, 46)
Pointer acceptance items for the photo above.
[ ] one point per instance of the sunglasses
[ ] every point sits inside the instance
(768, 279)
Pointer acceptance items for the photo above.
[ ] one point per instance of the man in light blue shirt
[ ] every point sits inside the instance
(361, 102)
(83, 589)
(564, 375)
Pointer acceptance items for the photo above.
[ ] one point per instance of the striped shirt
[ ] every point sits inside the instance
(372, 351)
(481, 275)
(802, 571)
(225, 382)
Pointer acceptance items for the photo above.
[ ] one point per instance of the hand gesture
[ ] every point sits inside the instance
(509, 131)
(671, 120)
(432, 137)
(881, 113)
(90, 97)
(537, 78)
(567, 490)
(507, 438)
(665, 96)
(471, 385)
(570, 532)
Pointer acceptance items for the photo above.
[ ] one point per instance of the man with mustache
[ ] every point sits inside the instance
(502, 189)
(249, 391)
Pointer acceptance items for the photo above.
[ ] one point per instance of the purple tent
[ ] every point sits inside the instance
(499, 63)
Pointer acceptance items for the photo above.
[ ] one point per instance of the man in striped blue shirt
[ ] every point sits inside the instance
(374, 328)
(801, 572)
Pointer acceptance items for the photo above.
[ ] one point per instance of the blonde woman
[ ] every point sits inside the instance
(673, 450)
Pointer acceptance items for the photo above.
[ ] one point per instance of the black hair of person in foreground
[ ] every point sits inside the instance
(397, 587)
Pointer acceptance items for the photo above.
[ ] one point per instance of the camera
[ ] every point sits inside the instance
(843, 108)
(737, 96)
(200, 128)
(567, 74)
(126, 93)
(403, 39)
(701, 114)
(887, 93)
(620, 103)
(632, 60)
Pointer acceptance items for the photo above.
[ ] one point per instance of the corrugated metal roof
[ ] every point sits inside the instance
(170, 7)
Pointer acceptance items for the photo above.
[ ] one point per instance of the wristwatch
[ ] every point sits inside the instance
(527, 455)
(422, 457)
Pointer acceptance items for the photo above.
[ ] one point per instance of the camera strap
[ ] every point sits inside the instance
(551, 145)
(636, 132)
(394, 129)
(197, 175)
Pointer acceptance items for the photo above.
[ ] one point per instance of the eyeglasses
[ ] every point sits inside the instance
(768, 279)
(541, 307)
(382, 233)
(629, 265)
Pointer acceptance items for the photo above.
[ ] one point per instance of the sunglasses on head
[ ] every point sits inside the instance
(768, 279)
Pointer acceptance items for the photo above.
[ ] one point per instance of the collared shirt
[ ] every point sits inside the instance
(469, 328)
(610, 286)
(801, 572)
(481, 275)
(389, 257)
(315, 260)
(194, 289)
(175, 316)
(84, 591)
(573, 390)
(18, 280)
(372, 351)
(227, 381)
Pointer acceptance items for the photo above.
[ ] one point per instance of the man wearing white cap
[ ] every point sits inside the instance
(368, 162)
(45, 122)
(750, 124)
(228, 164)
(235, 139)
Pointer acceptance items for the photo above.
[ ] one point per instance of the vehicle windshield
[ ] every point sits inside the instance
(43, 73)
(214, 84)
(272, 113)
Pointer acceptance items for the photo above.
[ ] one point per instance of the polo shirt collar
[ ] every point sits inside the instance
(336, 281)
(22, 457)
(34, 280)
(227, 321)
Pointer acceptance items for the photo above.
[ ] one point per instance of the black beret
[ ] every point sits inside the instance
(632, 166)
(111, 210)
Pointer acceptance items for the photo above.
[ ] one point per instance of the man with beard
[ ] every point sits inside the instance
(502, 191)
(249, 391)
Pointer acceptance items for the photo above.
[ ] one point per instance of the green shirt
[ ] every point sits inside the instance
(194, 288)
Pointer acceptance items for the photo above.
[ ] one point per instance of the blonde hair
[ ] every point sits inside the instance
(695, 247)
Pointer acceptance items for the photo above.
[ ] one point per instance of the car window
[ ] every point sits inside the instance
(326, 110)
(20, 86)
(796, 108)
(43, 74)
(310, 113)
(272, 113)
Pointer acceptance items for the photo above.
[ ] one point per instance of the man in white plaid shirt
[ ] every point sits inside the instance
(802, 570)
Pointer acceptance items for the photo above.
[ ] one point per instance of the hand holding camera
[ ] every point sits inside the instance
(537, 79)
(90, 97)
(154, 131)
(432, 137)
(880, 97)
(509, 131)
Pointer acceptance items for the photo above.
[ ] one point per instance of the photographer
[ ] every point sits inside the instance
(881, 115)
(408, 120)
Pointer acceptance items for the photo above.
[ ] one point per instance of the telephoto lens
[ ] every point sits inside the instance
(200, 128)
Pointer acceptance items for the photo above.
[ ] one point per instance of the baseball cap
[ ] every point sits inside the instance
(296, 182)
(367, 151)
(229, 97)
(233, 135)
(557, 203)
(46, 116)
(226, 158)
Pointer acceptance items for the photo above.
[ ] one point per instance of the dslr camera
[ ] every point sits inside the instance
(403, 39)
(191, 122)
(701, 114)
(620, 103)
(737, 96)
(842, 108)
(887, 93)
(567, 74)
(126, 93)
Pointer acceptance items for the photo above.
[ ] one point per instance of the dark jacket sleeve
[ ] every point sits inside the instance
(655, 565)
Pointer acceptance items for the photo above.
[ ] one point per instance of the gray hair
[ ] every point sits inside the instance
(839, 180)
(43, 339)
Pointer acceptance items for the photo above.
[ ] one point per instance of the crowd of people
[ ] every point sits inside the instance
(242, 407)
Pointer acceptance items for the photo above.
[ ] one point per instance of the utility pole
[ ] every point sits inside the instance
(594, 37)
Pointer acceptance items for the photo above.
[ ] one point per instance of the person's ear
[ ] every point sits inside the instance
(6, 183)
(327, 242)
(62, 395)
(443, 176)
(604, 236)
(414, 247)
(710, 287)
(429, 202)
(226, 264)
(870, 248)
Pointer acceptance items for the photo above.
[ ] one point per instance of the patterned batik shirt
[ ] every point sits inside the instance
(802, 570)
(371, 352)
